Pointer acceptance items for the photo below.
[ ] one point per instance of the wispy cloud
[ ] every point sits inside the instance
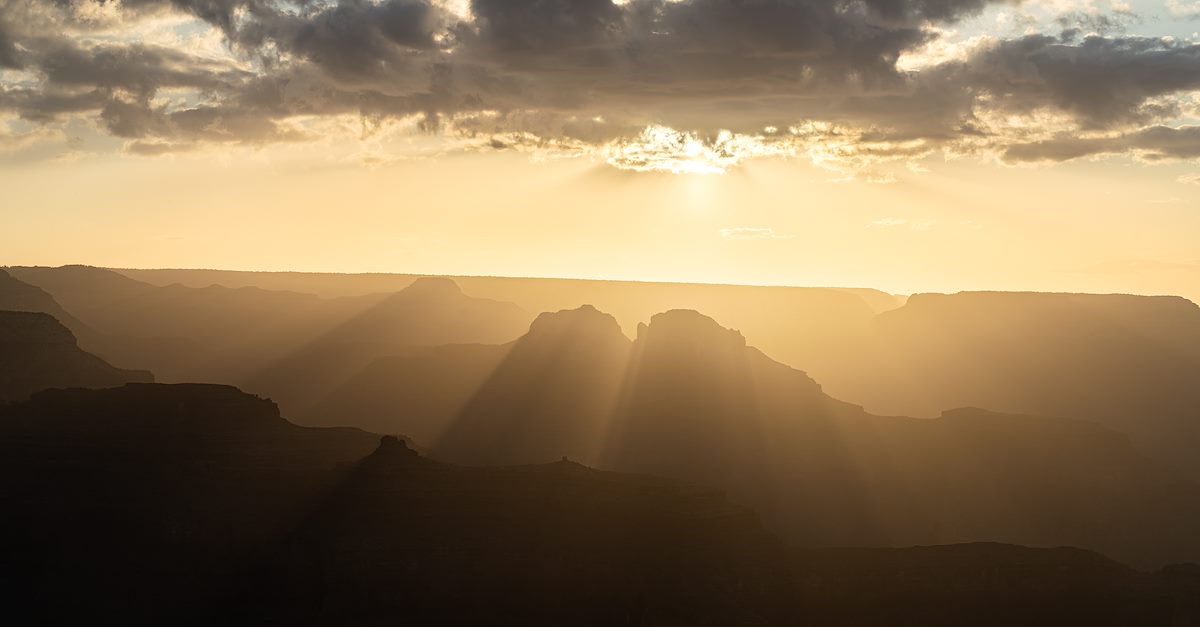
(747, 232)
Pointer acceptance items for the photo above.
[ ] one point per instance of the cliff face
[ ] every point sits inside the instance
(37, 352)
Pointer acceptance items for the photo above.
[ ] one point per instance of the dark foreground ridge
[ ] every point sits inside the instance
(194, 504)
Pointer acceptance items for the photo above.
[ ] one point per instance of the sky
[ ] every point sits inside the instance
(908, 145)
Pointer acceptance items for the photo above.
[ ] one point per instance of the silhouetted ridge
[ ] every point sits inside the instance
(394, 451)
(432, 311)
(585, 319)
(16, 295)
(184, 420)
(690, 400)
(433, 285)
(690, 327)
(543, 544)
(33, 328)
(118, 506)
(37, 352)
(552, 395)
(202, 408)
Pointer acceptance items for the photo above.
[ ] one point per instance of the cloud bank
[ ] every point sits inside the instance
(647, 85)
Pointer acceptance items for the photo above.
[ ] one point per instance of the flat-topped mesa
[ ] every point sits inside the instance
(996, 424)
(200, 410)
(25, 327)
(688, 340)
(686, 325)
(583, 320)
(1173, 314)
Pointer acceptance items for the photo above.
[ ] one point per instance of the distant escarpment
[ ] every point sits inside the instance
(1128, 362)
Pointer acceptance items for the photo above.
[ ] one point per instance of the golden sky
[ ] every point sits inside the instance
(908, 145)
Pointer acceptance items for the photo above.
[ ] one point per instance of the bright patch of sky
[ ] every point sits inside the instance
(1149, 18)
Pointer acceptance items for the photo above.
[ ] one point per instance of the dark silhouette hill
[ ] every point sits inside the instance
(282, 343)
(1126, 361)
(981, 584)
(423, 388)
(16, 295)
(150, 502)
(191, 504)
(554, 392)
(37, 352)
(689, 399)
(430, 312)
(553, 543)
(210, 334)
(803, 326)
(699, 404)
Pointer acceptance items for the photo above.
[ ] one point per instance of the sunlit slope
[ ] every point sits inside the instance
(689, 399)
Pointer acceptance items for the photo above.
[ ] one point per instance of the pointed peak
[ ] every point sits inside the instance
(394, 452)
(391, 444)
(433, 285)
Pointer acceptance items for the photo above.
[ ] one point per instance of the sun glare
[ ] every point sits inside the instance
(664, 149)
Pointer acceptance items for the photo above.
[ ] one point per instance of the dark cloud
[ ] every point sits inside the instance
(359, 39)
(155, 149)
(592, 70)
(1101, 81)
(546, 26)
(47, 105)
(137, 68)
(10, 57)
